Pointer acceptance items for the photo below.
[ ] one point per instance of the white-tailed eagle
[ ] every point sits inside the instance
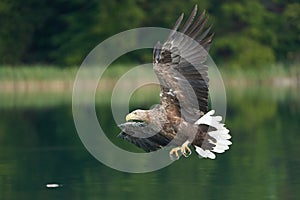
(181, 119)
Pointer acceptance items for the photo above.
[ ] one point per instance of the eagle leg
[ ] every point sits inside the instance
(184, 149)
(175, 151)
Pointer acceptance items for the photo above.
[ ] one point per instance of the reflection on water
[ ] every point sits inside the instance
(39, 146)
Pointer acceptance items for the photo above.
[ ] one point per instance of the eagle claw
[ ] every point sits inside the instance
(174, 151)
(184, 149)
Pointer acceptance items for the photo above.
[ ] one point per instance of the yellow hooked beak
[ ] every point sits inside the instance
(131, 116)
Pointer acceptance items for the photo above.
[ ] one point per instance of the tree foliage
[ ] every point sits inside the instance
(248, 33)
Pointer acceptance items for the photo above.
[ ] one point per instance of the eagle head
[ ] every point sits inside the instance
(138, 115)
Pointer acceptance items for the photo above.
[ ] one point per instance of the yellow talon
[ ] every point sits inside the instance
(175, 151)
(184, 149)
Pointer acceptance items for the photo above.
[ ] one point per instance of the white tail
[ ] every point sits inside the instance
(221, 135)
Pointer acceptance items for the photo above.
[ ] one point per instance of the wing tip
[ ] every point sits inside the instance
(196, 7)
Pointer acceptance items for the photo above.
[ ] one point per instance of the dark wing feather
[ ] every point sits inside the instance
(144, 136)
(189, 20)
(152, 143)
(180, 67)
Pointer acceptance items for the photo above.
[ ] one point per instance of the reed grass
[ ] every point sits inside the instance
(48, 72)
(49, 85)
(275, 75)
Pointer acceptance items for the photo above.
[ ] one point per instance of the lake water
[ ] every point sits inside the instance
(39, 145)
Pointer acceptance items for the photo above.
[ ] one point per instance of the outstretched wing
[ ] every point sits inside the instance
(179, 66)
(144, 136)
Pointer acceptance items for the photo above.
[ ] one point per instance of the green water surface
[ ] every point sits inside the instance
(39, 145)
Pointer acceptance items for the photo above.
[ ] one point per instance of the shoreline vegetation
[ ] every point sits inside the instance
(49, 78)
(39, 86)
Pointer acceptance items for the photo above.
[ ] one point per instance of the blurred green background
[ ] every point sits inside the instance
(61, 32)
